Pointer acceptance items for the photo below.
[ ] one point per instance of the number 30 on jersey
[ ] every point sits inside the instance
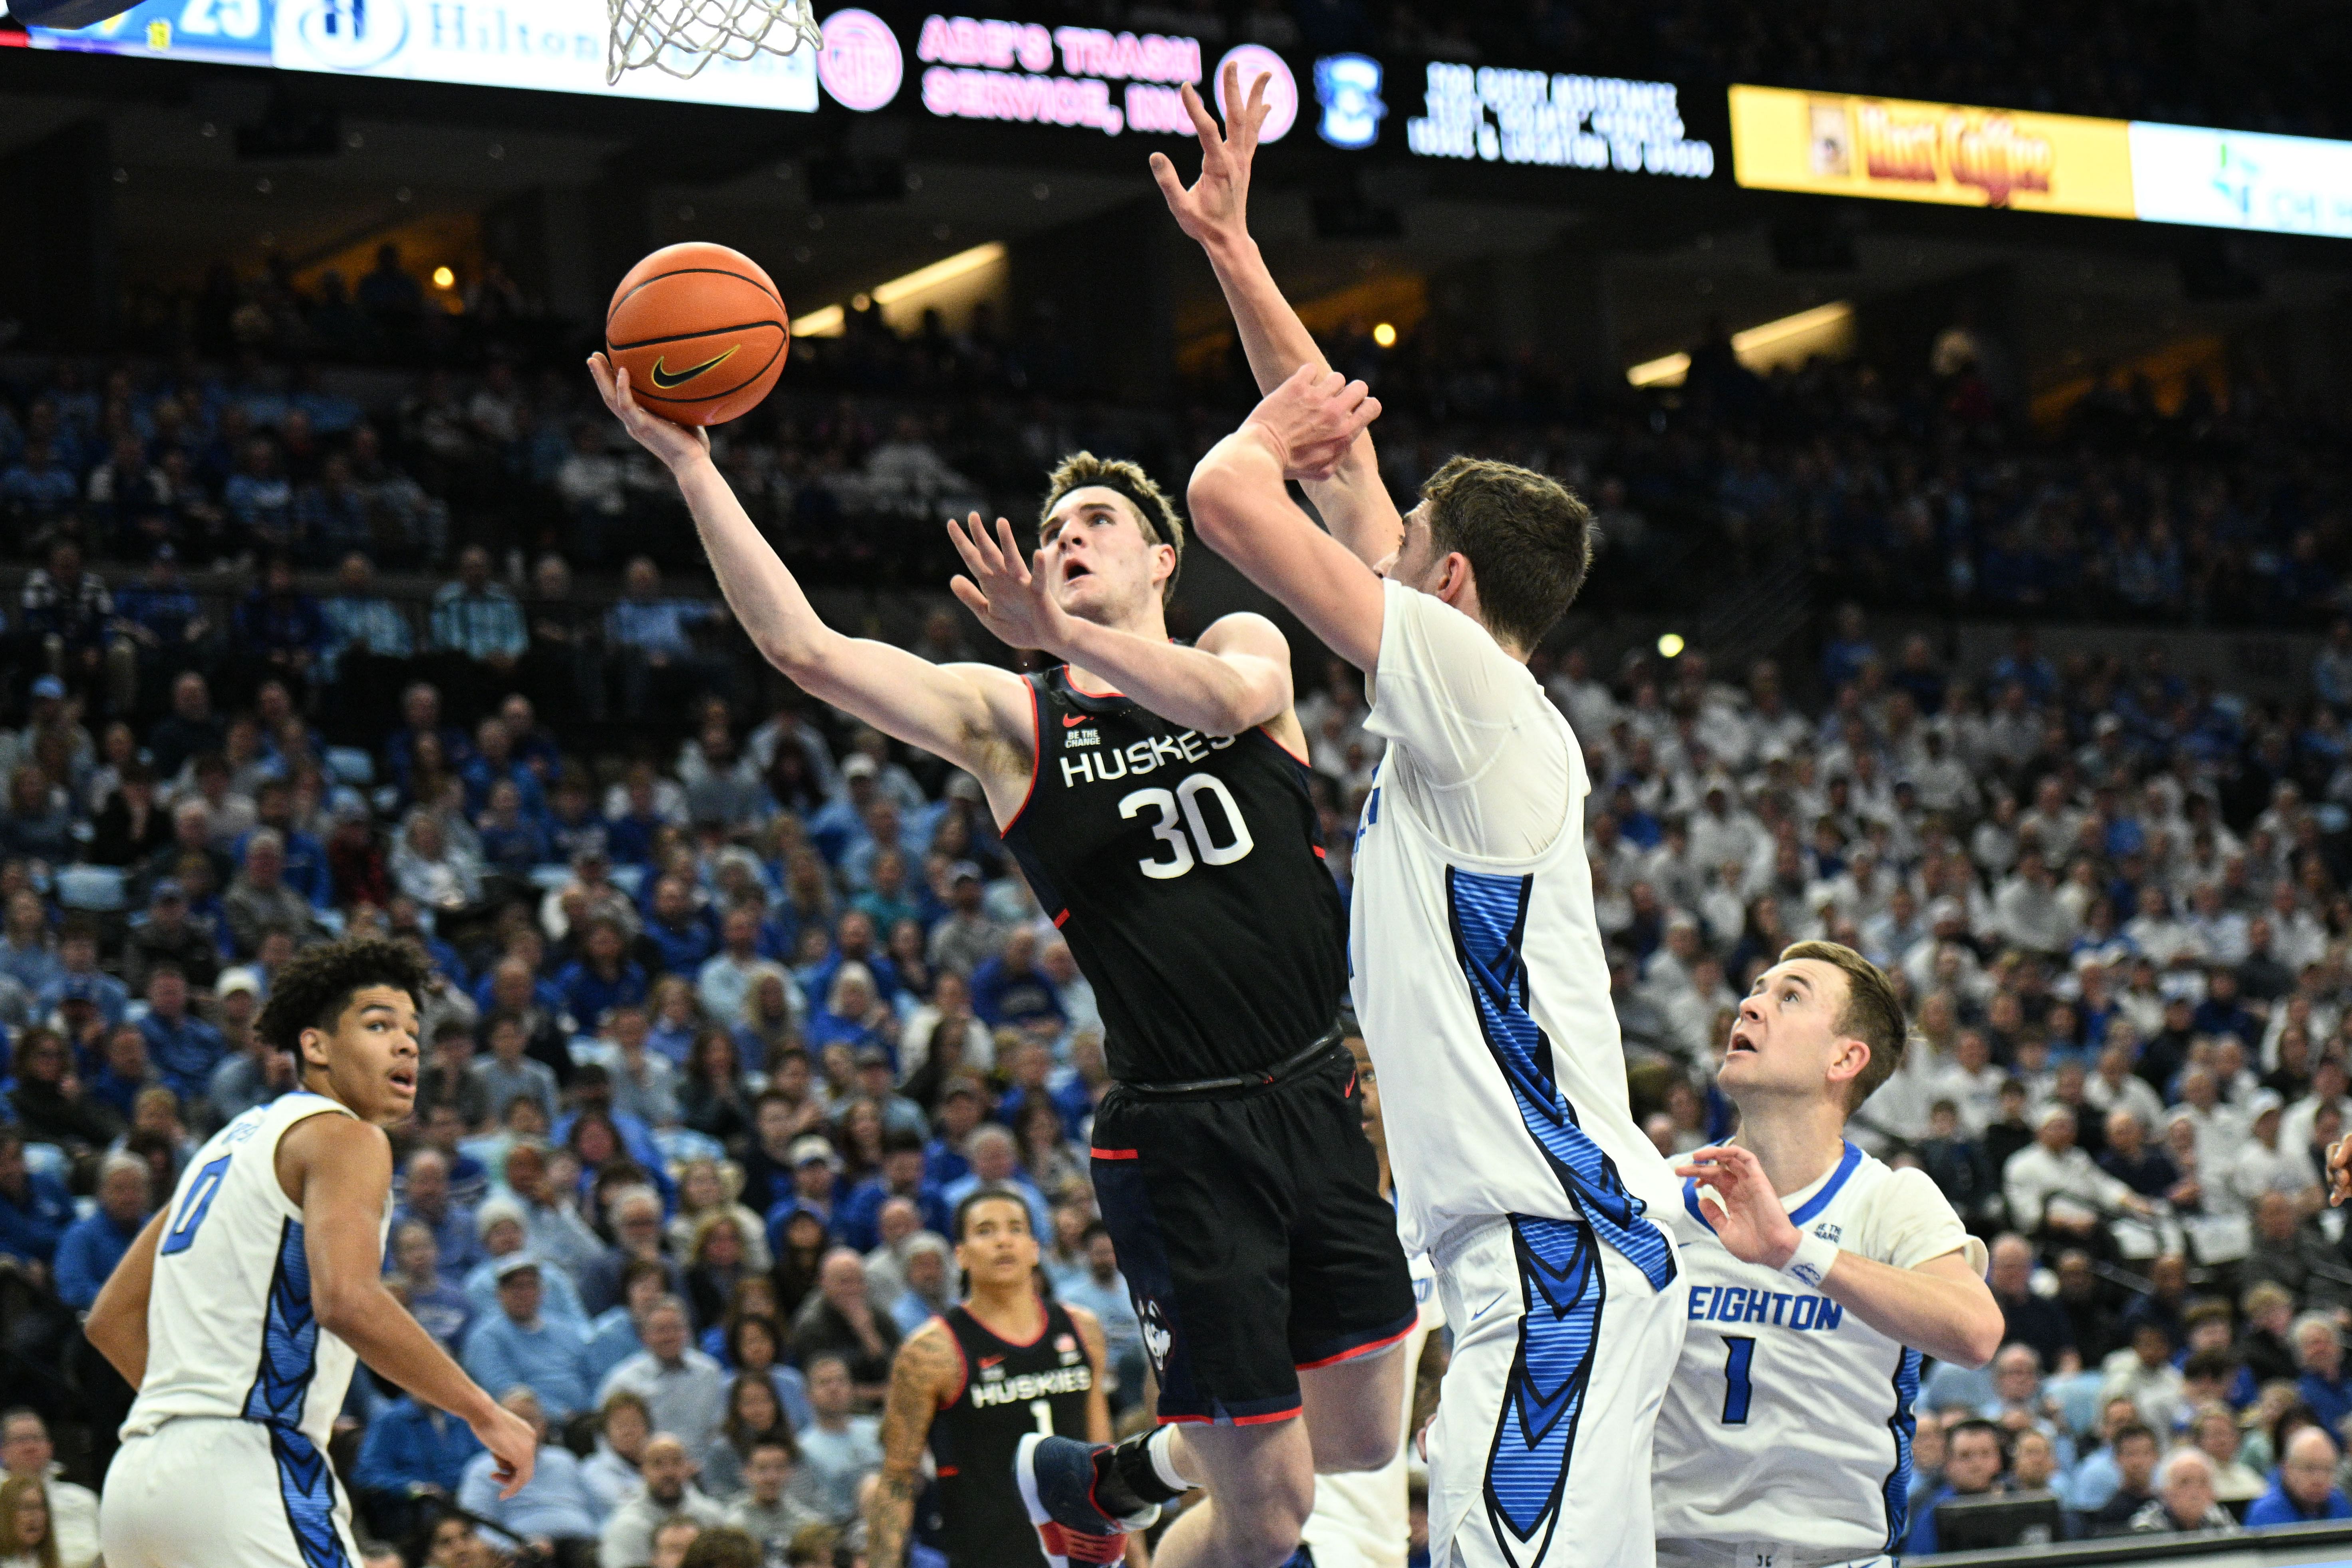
(1184, 830)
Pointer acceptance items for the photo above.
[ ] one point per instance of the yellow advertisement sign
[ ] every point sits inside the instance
(1897, 150)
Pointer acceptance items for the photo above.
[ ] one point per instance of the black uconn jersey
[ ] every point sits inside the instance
(1009, 1391)
(1184, 871)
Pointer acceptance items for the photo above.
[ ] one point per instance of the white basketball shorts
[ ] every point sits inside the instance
(204, 1492)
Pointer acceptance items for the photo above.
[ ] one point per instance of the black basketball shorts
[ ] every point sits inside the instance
(1252, 1236)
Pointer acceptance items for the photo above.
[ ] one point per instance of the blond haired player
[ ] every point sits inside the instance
(242, 1308)
(1818, 1276)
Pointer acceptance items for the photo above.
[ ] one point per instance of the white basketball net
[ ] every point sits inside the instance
(681, 36)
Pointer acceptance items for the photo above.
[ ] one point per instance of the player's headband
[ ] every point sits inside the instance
(1151, 508)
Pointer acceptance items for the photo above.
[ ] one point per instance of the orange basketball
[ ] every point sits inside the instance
(701, 331)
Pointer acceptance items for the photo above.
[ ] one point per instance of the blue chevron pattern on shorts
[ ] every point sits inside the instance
(1527, 1469)
(290, 1358)
(1489, 916)
(307, 1484)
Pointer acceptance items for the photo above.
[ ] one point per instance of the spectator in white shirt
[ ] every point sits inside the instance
(1971, 1082)
(26, 1454)
(2054, 1188)
(2027, 911)
(668, 1493)
(2266, 1163)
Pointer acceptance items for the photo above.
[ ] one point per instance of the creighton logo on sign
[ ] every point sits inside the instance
(1349, 88)
(340, 35)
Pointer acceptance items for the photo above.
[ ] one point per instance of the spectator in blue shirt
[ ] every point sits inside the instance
(79, 979)
(279, 628)
(259, 499)
(182, 1048)
(494, 761)
(93, 1245)
(360, 620)
(2319, 1349)
(650, 634)
(1009, 991)
(859, 1221)
(420, 715)
(426, 1199)
(478, 617)
(555, 1508)
(34, 1206)
(306, 870)
(39, 485)
(604, 976)
(520, 1346)
(1972, 1463)
(27, 956)
(2304, 1488)
(411, 1445)
(682, 932)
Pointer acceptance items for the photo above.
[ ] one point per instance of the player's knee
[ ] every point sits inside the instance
(1340, 1452)
(1265, 1534)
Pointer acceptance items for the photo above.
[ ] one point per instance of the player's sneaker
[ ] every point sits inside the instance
(1056, 1477)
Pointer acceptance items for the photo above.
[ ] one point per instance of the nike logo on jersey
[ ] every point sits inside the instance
(1488, 1307)
(666, 378)
(990, 1359)
(1072, 721)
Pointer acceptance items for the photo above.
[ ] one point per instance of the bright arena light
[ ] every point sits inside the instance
(444, 279)
(827, 320)
(1670, 646)
(1385, 335)
(1787, 340)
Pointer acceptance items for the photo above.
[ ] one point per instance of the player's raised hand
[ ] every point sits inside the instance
(1312, 419)
(512, 1443)
(1215, 210)
(1008, 596)
(2339, 1171)
(671, 442)
(1744, 1209)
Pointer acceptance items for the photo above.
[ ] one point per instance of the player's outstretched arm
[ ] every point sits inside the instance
(923, 1374)
(1214, 211)
(1235, 679)
(1240, 510)
(343, 1168)
(973, 715)
(117, 1323)
(1939, 1306)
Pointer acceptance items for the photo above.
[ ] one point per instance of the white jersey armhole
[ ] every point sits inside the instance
(322, 1106)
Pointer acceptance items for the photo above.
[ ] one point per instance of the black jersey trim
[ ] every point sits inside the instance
(1036, 757)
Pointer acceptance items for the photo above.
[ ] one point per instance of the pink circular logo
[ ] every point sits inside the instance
(1281, 94)
(860, 64)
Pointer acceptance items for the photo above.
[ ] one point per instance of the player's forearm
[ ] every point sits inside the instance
(117, 1323)
(1182, 684)
(1951, 1319)
(380, 1329)
(767, 600)
(889, 1514)
(1242, 511)
(1353, 502)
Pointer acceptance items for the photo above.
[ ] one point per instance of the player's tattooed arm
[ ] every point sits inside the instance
(923, 1373)
(1090, 1334)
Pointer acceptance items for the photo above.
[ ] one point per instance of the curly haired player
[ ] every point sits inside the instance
(241, 1308)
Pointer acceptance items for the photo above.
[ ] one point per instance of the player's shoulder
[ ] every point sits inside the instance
(1243, 631)
(929, 1349)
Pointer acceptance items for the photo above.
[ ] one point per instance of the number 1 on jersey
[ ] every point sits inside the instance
(1739, 1357)
(1043, 1411)
(199, 1203)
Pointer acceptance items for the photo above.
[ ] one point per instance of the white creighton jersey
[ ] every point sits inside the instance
(1788, 1424)
(1475, 957)
(230, 1333)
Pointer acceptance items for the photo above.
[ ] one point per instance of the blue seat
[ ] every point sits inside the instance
(96, 889)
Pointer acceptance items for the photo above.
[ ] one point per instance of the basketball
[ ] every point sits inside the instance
(701, 329)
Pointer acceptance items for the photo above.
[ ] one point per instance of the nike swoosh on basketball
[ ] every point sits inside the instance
(1073, 720)
(666, 378)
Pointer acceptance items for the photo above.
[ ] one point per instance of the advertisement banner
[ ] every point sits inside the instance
(1898, 150)
(2238, 179)
(551, 45)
